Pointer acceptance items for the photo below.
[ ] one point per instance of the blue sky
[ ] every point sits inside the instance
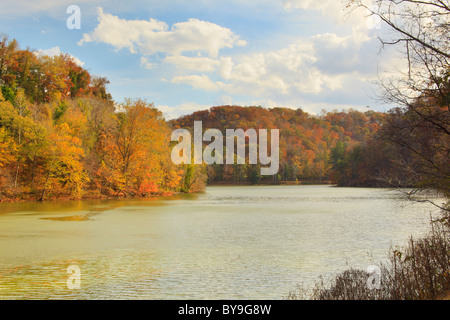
(190, 55)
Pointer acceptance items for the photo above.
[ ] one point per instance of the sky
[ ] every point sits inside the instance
(185, 56)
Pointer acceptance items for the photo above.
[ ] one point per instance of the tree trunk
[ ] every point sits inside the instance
(45, 187)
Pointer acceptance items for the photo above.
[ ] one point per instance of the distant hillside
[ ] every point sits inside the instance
(312, 148)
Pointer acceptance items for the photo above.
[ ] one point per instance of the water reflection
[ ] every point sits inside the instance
(227, 243)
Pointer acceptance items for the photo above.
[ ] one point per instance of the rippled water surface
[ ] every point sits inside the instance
(227, 243)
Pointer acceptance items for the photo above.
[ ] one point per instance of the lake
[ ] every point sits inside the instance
(230, 242)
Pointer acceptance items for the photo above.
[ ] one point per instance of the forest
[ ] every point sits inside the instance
(63, 136)
(312, 148)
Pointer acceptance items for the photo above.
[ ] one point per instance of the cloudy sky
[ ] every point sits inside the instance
(190, 55)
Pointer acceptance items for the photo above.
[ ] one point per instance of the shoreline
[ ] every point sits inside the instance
(268, 183)
(90, 198)
(29, 198)
(32, 198)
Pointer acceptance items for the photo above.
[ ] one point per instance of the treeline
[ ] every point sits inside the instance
(411, 149)
(312, 148)
(62, 135)
(401, 148)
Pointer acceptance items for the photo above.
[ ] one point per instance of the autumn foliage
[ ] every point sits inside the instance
(311, 147)
(62, 136)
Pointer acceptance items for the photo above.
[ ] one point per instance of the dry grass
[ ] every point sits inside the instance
(420, 271)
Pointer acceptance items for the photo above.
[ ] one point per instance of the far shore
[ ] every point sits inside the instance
(269, 183)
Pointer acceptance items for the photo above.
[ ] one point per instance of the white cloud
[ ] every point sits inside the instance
(252, 68)
(226, 67)
(152, 36)
(311, 66)
(56, 51)
(122, 33)
(281, 72)
(332, 8)
(357, 18)
(224, 100)
(146, 63)
(197, 81)
(173, 112)
(319, 65)
(201, 64)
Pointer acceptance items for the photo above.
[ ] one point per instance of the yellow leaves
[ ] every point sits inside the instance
(76, 120)
(172, 178)
(135, 152)
(64, 159)
(64, 143)
(7, 112)
(8, 148)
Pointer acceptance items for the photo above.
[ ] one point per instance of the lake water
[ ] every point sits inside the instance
(226, 243)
